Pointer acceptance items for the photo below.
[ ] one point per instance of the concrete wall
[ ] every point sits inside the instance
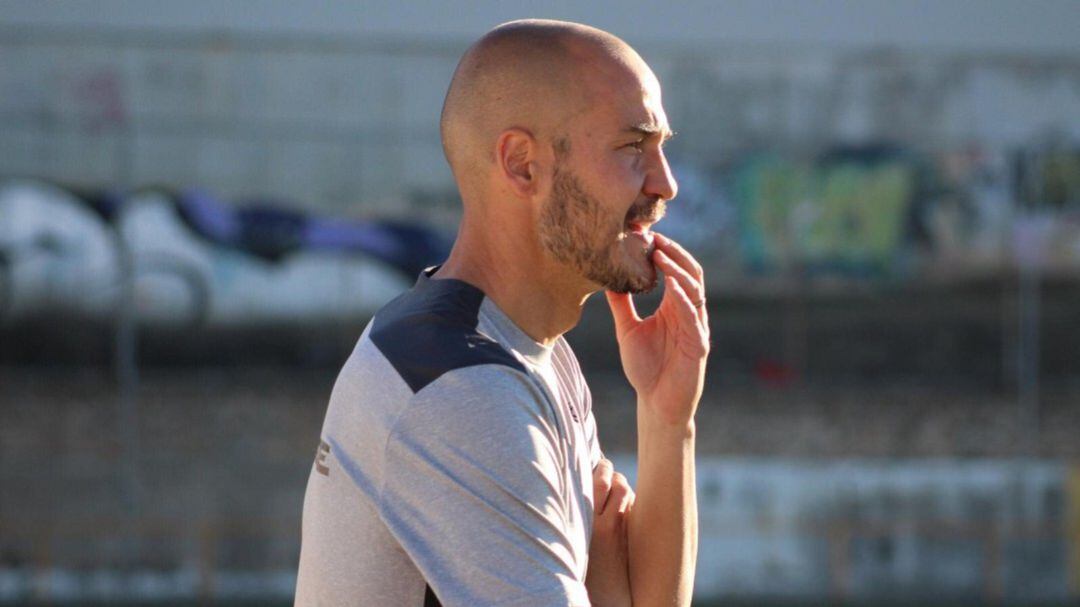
(830, 495)
(864, 529)
(1039, 26)
(337, 109)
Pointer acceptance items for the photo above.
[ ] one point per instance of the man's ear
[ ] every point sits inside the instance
(516, 156)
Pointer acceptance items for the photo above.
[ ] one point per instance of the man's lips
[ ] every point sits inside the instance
(641, 218)
(639, 224)
(640, 230)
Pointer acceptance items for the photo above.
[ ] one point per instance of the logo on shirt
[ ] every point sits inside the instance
(321, 465)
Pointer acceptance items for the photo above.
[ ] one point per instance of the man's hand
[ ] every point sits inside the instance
(608, 579)
(664, 359)
(664, 355)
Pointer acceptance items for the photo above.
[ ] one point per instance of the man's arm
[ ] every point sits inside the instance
(608, 580)
(664, 359)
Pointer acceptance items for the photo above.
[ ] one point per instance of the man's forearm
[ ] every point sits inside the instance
(662, 529)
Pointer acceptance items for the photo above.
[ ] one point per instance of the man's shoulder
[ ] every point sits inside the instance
(431, 330)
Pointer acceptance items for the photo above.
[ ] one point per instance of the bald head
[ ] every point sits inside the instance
(534, 75)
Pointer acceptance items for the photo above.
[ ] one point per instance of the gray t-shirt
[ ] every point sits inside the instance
(455, 465)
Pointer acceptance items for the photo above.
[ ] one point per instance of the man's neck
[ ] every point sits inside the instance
(538, 295)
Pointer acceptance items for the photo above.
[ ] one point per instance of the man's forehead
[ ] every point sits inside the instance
(644, 115)
(637, 104)
(622, 95)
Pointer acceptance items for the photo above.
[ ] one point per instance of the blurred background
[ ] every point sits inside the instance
(202, 203)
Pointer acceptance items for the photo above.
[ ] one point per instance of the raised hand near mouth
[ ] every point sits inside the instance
(664, 355)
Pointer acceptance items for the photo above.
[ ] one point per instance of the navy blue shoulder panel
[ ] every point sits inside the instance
(431, 330)
(430, 600)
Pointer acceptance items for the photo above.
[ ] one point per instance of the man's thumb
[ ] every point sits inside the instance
(623, 311)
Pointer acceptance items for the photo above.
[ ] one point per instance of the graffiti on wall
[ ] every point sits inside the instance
(846, 211)
(872, 211)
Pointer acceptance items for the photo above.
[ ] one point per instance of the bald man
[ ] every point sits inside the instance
(459, 461)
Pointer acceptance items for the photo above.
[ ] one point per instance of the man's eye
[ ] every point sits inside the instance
(637, 145)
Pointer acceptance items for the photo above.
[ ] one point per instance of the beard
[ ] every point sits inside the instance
(577, 230)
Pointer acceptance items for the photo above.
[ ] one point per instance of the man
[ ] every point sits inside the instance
(459, 462)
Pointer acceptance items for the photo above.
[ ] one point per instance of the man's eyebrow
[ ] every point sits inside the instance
(648, 129)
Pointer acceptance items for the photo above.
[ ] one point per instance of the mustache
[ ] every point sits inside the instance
(650, 211)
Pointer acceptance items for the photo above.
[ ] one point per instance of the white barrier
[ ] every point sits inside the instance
(884, 529)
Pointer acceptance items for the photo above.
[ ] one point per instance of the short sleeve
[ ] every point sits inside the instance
(474, 491)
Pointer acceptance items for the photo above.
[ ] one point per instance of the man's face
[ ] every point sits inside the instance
(609, 186)
(601, 239)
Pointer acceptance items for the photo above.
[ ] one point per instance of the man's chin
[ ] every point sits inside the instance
(635, 284)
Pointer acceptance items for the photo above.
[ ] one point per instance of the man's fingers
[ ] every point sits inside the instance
(602, 478)
(677, 298)
(620, 498)
(623, 311)
(680, 255)
(691, 325)
(611, 491)
(622, 495)
(693, 289)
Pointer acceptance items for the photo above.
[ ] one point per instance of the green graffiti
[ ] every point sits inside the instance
(845, 215)
(1059, 179)
(861, 214)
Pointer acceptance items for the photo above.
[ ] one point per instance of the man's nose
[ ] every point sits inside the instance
(660, 181)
